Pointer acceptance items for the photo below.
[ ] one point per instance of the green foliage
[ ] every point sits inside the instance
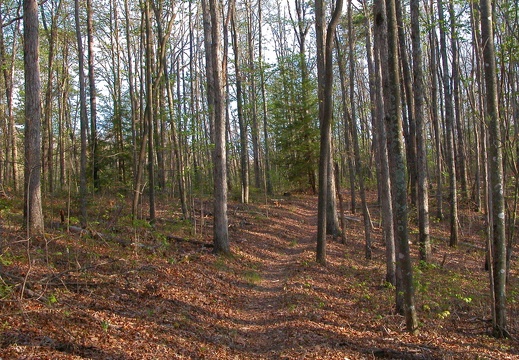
(252, 277)
(52, 299)
(294, 122)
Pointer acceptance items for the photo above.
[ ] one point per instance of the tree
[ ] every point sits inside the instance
(356, 147)
(33, 213)
(380, 60)
(398, 173)
(421, 154)
(495, 159)
(449, 130)
(325, 80)
(83, 120)
(215, 88)
(93, 95)
(244, 147)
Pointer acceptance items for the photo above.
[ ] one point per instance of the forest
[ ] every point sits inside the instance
(248, 179)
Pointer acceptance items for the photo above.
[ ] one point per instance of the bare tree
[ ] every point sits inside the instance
(449, 131)
(495, 159)
(216, 86)
(325, 79)
(421, 155)
(33, 213)
(398, 173)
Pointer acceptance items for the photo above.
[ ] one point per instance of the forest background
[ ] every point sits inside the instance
(243, 101)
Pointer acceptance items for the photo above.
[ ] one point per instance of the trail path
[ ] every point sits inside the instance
(171, 298)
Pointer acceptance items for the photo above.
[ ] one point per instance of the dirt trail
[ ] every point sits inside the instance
(173, 299)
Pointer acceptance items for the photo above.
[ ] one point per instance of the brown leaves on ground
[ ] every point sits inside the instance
(133, 292)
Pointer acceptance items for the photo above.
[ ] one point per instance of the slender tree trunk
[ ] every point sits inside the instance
(408, 100)
(149, 55)
(421, 155)
(433, 70)
(385, 181)
(33, 214)
(460, 139)
(268, 177)
(48, 137)
(93, 96)
(244, 148)
(498, 244)
(83, 121)
(325, 79)
(356, 147)
(8, 73)
(449, 131)
(221, 235)
(398, 177)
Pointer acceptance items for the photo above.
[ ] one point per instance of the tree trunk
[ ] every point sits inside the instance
(460, 139)
(398, 177)
(268, 177)
(355, 137)
(421, 155)
(244, 148)
(11, 171)
(433, 70)
(408, 99)
(33, 214)
(93, 96)
(325, 81)
(449, 125)
(83, 121)
(216, 83)
(495, 158)
(386, 205)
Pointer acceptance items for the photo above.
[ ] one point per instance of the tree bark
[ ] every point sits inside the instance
(83, 121)
(421, 155)
(385, 180)
(495, 158)
(449, 125)
(221, 235)
(324, 52)
(33, 213)
(398, 177)
(244, 148)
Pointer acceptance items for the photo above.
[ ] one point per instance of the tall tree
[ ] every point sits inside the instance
(398, 173)
(215, 87)
(355, 137)
(495, 159)
(83, 119)
(93, 94)
(325, 79)
(449, 129)
(421, 154)
(385, 179)
(33, 213)
(244, 147)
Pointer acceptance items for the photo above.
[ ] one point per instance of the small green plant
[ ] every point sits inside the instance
(388, 285)
(141, 223)
(105, 325)
(52, 299)
(6, 259)
(5, 290)
(293, 243)
(292, 307)
(252, 277)
(444, 314)
(466, 299)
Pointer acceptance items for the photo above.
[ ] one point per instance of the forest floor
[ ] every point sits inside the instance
(124, 290)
